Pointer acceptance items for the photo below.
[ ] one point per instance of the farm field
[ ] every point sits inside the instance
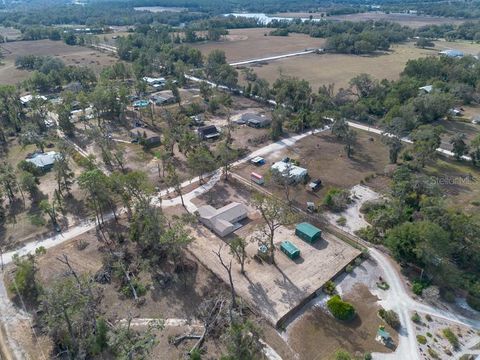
(325, 69)
(71, 55)
(246, 44)
(340, 68)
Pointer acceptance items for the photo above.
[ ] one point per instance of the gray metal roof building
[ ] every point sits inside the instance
(222, 221)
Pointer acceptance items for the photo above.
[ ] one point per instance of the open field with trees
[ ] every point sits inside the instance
(338, 69)
(70, 55)
(246, 44)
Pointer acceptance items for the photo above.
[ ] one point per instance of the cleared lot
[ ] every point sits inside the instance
(71, 55)
(338, 69)
(275, 291)
(246, 44)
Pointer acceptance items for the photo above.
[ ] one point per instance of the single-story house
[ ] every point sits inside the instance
(255, 121)
(25, 100)
(258, 160)
(222, 221)
(426, 89)
(452, 53)
(146, 136)
(43, 161)
(307, 232)
(163, 97)
(208, 132)
(294, 173)
(155, 82)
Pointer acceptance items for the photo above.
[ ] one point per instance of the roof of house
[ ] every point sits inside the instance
(308, 229)
(426, 88)
(144, 132)
(27, 98)
(43, 159)
(208, 130)
(221, 219)
(293, 171)
(152, 80)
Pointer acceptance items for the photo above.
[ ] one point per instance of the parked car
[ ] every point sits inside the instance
(315, 185)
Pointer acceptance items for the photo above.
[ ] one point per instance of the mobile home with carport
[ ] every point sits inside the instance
(307, 232)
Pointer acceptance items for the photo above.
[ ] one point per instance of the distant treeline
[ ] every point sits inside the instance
(467, 31)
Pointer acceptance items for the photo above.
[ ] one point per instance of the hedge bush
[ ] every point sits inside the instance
(342, 310)
(451, 337)
(390, 317)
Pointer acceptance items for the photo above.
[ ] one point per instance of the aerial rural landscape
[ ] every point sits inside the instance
(239, 180)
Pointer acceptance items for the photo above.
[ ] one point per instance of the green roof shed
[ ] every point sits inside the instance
(308, 232)
(289, 249)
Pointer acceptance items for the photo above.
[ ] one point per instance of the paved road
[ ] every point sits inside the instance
(270, 58)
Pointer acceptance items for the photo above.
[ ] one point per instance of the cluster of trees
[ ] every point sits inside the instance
(420, 229)
(469, 30)
(348, 37)
(50, 73)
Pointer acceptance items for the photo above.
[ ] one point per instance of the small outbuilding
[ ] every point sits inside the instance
(222, 221)
(307, 232)
(427, 89)
(163, 97)
(256, 121)
(293, 173)
(289, 249)
(43, 161)
(208, 132)
(145, 136)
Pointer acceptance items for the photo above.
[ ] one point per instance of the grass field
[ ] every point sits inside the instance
(340, 68)
(71, 55)
(245, 44)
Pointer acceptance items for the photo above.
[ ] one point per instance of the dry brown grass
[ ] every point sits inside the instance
(340, 68)
(245, 44)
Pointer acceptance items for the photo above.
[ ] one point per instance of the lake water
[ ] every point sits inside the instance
(155, 9)
(266, 19)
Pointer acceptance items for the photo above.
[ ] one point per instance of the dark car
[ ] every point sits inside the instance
(315, 184)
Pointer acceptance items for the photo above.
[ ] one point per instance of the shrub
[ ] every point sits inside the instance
(342, 355)
(24, 280)
(37, 220)
(139, 288)
(428, 317)
(342, 221)
(336, 199)
(369, 234)
(451, 337)
(358, 261)
(429, 334)
(349, 269)
(342, 310)
(432, 353)
(421, 339)
(390, 317)
(329, 287)
(367, 356)
(416, 318)
(418, 287)
(40, 250)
